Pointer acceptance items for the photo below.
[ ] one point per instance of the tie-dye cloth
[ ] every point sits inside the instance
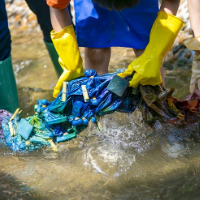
(70, 113)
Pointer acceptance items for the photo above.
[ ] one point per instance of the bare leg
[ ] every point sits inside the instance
(170, 6)
(97, 59)
(60, 18)
(139, 52)
(194, 11)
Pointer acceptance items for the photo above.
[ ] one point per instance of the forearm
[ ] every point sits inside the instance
(170, 6)
(194, 11)
(60, 18)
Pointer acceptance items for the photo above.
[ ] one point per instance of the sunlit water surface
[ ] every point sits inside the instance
(126, 160)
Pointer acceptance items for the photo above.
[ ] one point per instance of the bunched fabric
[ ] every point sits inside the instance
(88, 98)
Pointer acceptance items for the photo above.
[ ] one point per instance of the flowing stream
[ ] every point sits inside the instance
(126, 160)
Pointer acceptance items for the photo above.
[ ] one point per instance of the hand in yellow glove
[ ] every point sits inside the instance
(194, 44)
(69, 56)
(147, 66)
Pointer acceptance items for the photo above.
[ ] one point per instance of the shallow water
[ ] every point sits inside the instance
(126, 160)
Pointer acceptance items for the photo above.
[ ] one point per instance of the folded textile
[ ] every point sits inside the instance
(87, 98)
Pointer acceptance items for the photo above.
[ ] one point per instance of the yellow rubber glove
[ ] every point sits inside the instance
(194, 44)
(147, 66)
(69, 56)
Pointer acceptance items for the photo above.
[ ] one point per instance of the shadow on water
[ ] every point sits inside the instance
(172, 188)
(29, 96)
(127, 160)
(10, 188)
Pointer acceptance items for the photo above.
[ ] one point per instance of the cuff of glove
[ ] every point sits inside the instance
(193, 43)
(57, 35)
(163, 13)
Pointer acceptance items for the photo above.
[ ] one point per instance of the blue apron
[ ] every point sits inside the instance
(97, 27)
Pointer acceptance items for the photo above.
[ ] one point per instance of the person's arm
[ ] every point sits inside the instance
(64, 40)
(194, 43)
(60, 18)
(170, 6)
(146, 68)
(59, 14)
(194, 11)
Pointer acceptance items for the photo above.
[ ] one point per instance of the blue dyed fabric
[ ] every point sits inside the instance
(63, 118)
(60, 120)
(101, 100)
(97, 27)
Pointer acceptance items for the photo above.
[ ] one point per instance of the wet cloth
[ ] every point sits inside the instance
(97, 27)
(59, 120)
(63, 118)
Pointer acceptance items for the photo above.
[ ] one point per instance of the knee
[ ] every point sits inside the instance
(95, 54)
(138, 52)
